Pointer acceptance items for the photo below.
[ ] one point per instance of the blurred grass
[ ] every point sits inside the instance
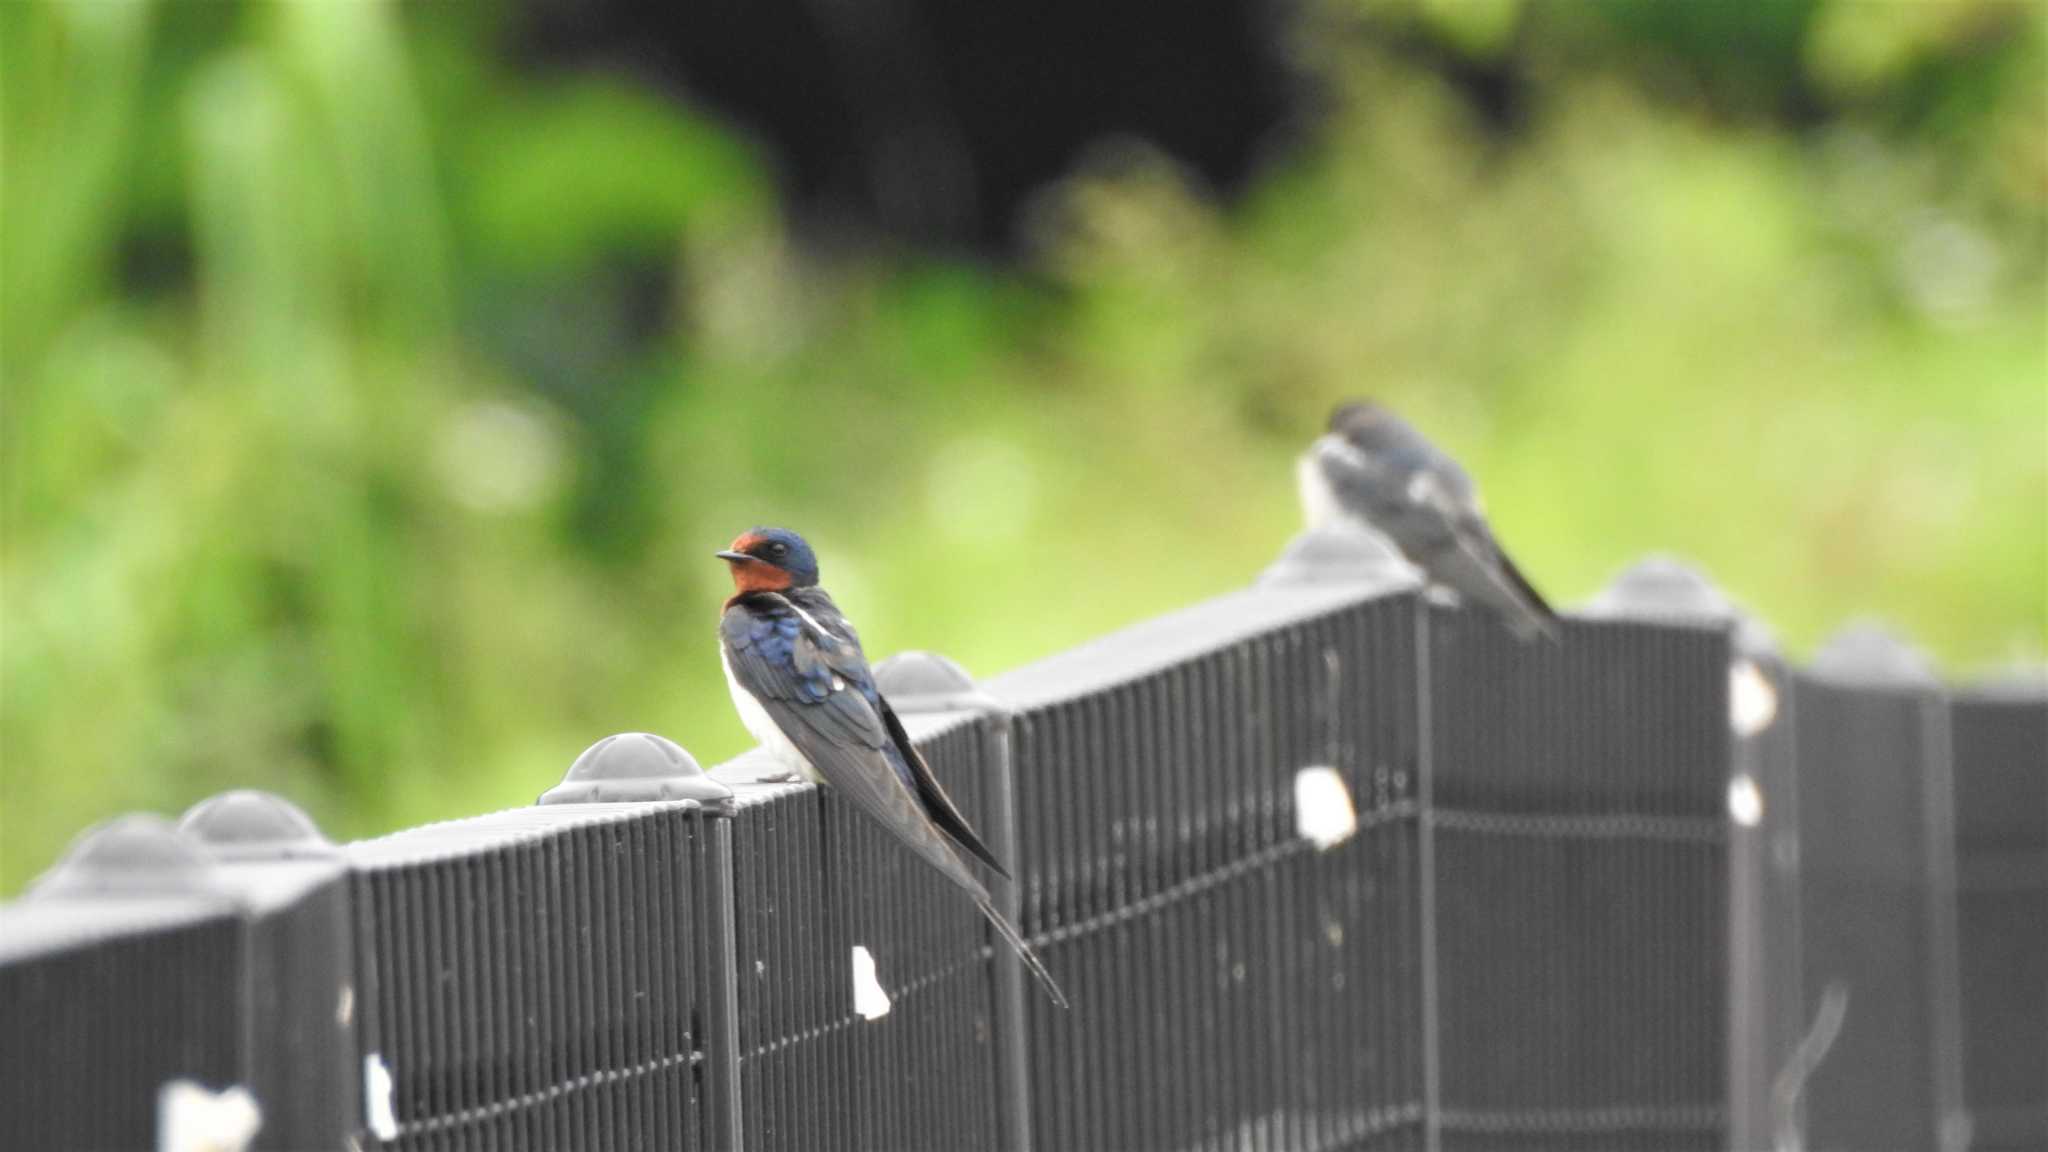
(343, 457)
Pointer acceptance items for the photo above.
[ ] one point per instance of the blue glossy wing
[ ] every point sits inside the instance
(801, 681)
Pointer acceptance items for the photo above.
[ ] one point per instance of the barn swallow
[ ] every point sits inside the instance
(1372, 467)
(803, 688)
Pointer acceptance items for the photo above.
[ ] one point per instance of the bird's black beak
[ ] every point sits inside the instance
(732, 557)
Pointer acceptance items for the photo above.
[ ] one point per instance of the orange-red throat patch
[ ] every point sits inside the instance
(752, 575)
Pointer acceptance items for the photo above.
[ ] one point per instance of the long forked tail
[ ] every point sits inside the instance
(1500, 585)
(1030, 958)
(1539, 617)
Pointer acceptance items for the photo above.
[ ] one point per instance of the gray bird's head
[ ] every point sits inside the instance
(1356, 416)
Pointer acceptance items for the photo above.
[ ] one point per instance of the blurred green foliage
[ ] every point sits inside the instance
(341, 456)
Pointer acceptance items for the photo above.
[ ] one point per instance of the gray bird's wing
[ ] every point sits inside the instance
(1422, 500)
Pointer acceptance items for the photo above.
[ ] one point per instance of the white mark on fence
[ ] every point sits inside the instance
(379, 1114)
(868, 998)
(1752, 702)
(1745, 800)
(1323, 814)
(345, 1010)
(190, 1118)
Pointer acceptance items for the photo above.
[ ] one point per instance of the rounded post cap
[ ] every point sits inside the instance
(250, 825)
(2019, 680)
(1661, 586)
(1339, 553)
(919, 681)
(634, 767)
(1868, 653)
(137, 855)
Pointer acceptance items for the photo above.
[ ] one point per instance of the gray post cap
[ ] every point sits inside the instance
(916, 682)
(1663, 587)
(2014, 680)
(1865, 652)
(1339, 554)
(249, 825)
(633, 767)
(129, 856)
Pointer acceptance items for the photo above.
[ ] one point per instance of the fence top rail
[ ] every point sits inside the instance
(35, 928)
(1162, 642)
(448, 839)
(756, 778)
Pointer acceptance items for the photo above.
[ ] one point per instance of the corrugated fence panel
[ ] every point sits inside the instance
(1230, 987)
(540, 978)
(1580, 869)
(2001, 784)
(1877, 895)
(104, 1002)
(814, 1072)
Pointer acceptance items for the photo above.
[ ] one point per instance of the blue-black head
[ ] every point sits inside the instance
(771, 560)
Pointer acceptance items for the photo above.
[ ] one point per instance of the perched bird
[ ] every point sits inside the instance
(1372, 467)
(803, 688)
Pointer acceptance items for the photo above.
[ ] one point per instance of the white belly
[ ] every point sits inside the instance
(1319, 507)
(763, 727)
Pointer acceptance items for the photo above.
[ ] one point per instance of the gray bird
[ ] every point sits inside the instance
(1372, 468)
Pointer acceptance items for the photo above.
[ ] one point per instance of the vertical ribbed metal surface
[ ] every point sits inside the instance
(1230, 986)
(1580, 875)
(794, 993)
(2001, 789)
(813, 878)
(302, 1065)
(1877, 906)
(539, 979)
(91, 1030)
(1768, 1011)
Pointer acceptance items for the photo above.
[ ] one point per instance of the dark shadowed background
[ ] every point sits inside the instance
(379, 378)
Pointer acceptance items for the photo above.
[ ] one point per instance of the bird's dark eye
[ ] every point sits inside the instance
(778, 549)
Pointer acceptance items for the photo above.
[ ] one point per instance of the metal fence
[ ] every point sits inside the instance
(1320, 864)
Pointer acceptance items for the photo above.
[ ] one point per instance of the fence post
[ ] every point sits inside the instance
(2000, 729)
(292, 884)
(724, 1102)
(1764, 1012)
(920, 683)
(1354, 556)
(640, 767)
(1877, 839)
